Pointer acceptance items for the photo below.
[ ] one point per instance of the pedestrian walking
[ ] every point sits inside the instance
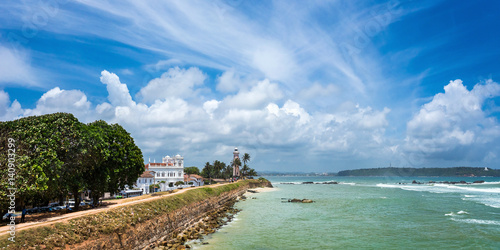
(23, 214)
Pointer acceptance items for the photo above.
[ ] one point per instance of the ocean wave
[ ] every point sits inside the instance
(488, 201)
(440, 188)
(410, 187)
(455, 214)
(347, 183)
(487, 183)
(476, 221)
(470, 189)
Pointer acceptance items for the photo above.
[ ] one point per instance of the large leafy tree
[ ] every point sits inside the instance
(126, 159)
(114, 160)
(192, 170)
(56, 154)
(48, 151)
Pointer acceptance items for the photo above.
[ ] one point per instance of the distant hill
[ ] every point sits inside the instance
(455, 171)
(276, 173)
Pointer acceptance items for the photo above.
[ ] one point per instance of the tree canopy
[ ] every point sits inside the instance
(55, 155)
(219, 169)
(192, 170)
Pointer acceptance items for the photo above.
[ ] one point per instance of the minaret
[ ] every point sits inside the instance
(236, 169)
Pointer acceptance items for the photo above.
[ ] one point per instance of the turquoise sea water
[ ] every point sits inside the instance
(366, 213)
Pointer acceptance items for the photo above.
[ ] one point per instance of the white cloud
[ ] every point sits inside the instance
(15, 67)
(317, 90)
(175, 82)
(57, 100)
(8, 110)
(276, 62)
(229, 81)
(261, 94)
(453, 120)
(251, 118)
(211, 106)
(118, 93)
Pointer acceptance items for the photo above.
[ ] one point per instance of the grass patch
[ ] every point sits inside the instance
(107, 222)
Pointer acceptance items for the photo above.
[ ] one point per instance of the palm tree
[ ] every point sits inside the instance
(218, 167)
(244, 169)
(246, 158)
(208, 171)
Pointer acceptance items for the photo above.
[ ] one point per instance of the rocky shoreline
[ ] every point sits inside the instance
(208, 225)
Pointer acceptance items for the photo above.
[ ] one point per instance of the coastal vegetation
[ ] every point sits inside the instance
(441, 172)
(220, 170)
(116, 220)
(192, 170)
(55, 155)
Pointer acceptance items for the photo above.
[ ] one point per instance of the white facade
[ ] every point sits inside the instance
(170, 170)
(144, 181)
(194, 179)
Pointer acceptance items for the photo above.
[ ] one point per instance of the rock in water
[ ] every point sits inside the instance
(307, 201)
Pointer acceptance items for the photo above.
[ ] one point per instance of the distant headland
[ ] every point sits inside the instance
(440, 172)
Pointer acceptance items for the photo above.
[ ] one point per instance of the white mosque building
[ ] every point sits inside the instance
(170, 170)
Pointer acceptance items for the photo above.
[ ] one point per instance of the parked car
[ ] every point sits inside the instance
(44, 209)
(7, 215)
(32, 210)
(56, 208)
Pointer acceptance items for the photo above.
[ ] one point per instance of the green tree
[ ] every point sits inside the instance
(252, 172)
(208, 171)
(56, 154)
(126, 162)
(49, 149)
(192, 170)
(227, 172)
(244, 170)
(218, 167)
(178, 183)
(246, 158)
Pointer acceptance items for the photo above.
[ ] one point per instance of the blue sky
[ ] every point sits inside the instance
(322, 86)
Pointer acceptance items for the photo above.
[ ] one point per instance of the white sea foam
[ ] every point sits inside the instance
(455, 214)
(348, 183)
(488, 201)
(488, 183)
(476, 221)
(441, 188)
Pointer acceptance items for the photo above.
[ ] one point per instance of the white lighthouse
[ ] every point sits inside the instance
(236, 168)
